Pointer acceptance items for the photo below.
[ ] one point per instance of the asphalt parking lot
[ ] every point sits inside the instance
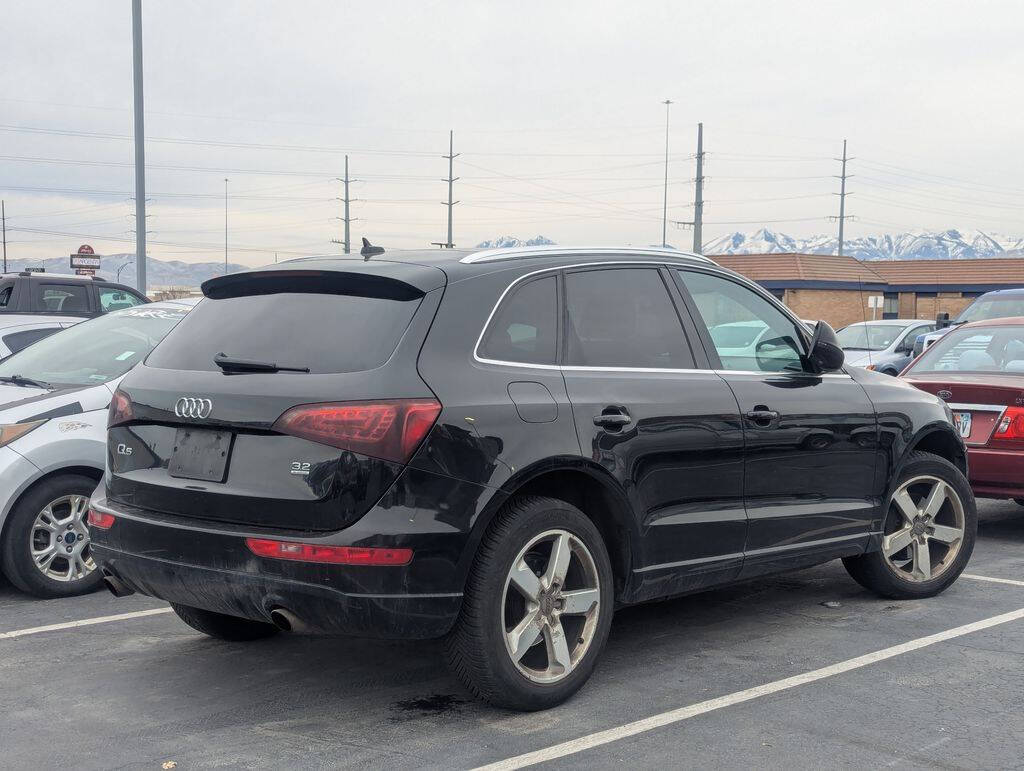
(761, 675)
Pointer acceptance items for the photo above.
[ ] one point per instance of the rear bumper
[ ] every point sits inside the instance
(323, 609)
(996, 473)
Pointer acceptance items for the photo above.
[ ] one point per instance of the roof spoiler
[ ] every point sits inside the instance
(354, 284)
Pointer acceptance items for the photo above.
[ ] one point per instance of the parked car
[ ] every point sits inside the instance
(1002, 303)
(885, 346)
(35, 293)
(978, 369)
(18, 332)
(500, 448)
(54, 397)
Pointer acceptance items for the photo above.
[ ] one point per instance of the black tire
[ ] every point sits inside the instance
(476, 649)
(873, 570)
(15, 550)
(222, 626)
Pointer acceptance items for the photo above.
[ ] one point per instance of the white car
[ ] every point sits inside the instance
(54, 397)
(18, 331)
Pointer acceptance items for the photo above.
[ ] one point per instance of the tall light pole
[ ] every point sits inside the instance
(140, 149)
(226, 180)
(664, 206)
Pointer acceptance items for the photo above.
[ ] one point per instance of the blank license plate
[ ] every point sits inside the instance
(200, 454)
(962, 420)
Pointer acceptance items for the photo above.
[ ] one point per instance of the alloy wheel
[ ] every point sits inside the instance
(550, 605)
(59, 540)
(924, 529)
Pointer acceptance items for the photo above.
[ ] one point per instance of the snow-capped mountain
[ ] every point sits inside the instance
(507, 242)
(922, 245)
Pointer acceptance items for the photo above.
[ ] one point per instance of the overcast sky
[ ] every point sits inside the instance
(556, 108)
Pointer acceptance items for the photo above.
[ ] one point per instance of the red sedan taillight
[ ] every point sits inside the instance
(100, 519)
(120, 409)
(334, 555)
(390, 430)
(1011, 424)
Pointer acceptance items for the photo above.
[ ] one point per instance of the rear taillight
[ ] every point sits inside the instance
(391, 430)
(100, 519)
(120, 409)
(335, 555)
(1011, 424)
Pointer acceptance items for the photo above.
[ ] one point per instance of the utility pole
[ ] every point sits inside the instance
(140, 149)
(843, 216)
(664, 203)
(452, 155)
(698, 198)
(347, 243)
(226, 180)
(3, 218)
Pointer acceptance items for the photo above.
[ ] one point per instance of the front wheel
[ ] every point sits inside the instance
(537, 608)
(928, 532)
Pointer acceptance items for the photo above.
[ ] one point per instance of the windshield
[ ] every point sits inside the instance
(992, 349)
(868, 337)
(95, 351)
(985, 308)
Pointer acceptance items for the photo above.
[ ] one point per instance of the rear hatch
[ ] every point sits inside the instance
(981, 403)
(312, 411)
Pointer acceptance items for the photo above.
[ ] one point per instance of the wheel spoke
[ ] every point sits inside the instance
(44, 560)
(525, 580)
(557, 648)
(524, 635)
(79, 506)
(558, 562)
(936, 497)
(580, 601)
(922, 560)
(906, 506)
(944, 534)
(895, 542)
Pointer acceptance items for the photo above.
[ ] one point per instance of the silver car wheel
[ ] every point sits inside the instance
(550, 606)
(924, 529)
(59, 540)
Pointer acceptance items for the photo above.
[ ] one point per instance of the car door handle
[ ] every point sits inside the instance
(763, 417)
(612, 420)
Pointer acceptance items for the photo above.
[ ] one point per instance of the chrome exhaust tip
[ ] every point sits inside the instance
(287, 621)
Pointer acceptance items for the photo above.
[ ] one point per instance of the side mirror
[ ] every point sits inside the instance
(941, 320)
(825, 353)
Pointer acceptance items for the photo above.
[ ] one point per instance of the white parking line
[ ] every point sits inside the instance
(82, 622)
(992, 580)
(685, 713)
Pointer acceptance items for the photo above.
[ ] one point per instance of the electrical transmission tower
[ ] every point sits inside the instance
(347, 243)
(698, 198)
(449, 203)
(843, 216)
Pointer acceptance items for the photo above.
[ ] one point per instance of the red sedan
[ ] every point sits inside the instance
(978, 369)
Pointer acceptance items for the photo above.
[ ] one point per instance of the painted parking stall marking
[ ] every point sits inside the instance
(991, 579)
(83, 622)
(600, 738)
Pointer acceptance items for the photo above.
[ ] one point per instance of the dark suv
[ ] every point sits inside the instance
(501, 448)
(57, 294)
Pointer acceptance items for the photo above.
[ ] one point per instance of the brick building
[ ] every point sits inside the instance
(836, 289)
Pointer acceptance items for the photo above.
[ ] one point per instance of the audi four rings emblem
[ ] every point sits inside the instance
(192, 407)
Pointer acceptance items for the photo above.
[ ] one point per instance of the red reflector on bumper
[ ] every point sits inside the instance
(335, 555)
(100, 519)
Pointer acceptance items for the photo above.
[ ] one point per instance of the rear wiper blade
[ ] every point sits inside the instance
(24, 381)
(230, 364)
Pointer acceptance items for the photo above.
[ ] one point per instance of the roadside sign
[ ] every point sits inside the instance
(85, 257)
(85, 271)
(85, 249)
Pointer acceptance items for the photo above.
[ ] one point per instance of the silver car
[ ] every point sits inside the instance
(884, 346)
(54, 397)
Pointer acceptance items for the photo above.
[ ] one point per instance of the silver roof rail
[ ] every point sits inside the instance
(526, 252)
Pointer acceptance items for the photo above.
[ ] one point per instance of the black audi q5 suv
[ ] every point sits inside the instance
(500, 448)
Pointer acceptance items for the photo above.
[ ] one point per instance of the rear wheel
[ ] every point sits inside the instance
(537, 608)
(927, 534)
(45, 549)
(222, 626)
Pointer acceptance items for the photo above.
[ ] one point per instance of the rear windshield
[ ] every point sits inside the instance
(328, 333)
(994, 307)
(992, 349)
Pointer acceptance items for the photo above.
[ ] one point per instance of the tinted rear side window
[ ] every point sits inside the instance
(17, 341)
(328, 333)
(525, 328)
(623, 318)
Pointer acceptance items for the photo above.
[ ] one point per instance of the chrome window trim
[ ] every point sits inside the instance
(498, 255)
